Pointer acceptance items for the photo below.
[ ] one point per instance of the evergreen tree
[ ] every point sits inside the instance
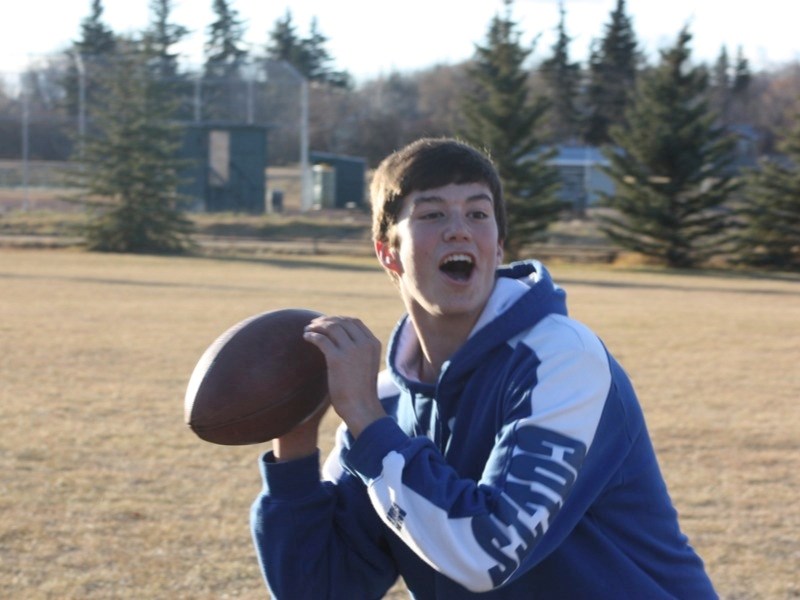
(501, 118)
(771, 209)
(729, 87)
(224, 50)
(613, 66)
(721, 85)
(741, 110)
(741, 73)
(88, 56)
(308, 55)
(162, 35)
(319, 61)
(224, 93)
(672, 173)
(130, 173)
(285, 44)
(97, 39)
(563, 80)
(159, 38)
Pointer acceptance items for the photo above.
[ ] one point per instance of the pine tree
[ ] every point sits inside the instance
(501, 118)
(741, 110)
(88, 57)
(130, 173)
(613, 67)
(319, 60)
(162, 35)
(308, 55)
(672, 171)
(223, 90)
(284, 42)
(159, 39)
(720, 90)
(729, 87)
(97, 39)
(771, 209)
(563, 80)
(224, 47)
(742, 76)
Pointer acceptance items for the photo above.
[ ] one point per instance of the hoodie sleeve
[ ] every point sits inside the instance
(483, 534)
(318, 540)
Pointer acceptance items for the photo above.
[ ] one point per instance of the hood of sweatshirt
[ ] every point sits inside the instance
(523, 294)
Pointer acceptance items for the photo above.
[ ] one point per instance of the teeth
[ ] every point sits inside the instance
(457, 258)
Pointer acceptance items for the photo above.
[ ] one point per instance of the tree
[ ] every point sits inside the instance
(729, 87)
(224, 50)
(613, 66)
(88, 58)
(130, 174)
(672, 171)
(97, 38)
(159, 39)
(741, 107)
(224, 92)
(162, 35)
(284, 43)
(319, 61)
(563, 80)
(308, 55)
(501, 118)
(771, 209)
(741, 73)
(720, 88)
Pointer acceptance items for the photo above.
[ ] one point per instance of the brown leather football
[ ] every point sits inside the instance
(257, 381)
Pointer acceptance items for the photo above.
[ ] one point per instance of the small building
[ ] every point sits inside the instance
(339, 181)
(583, 179)
(582, 169)
(227, 167)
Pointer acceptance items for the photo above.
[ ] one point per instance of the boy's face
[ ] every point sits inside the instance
(445, 249)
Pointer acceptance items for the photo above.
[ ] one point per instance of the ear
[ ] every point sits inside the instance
(388, 257)
(500, 252)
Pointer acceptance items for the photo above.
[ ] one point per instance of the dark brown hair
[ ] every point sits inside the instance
(426, 164)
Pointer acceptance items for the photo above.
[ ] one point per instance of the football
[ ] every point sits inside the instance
(257, 380)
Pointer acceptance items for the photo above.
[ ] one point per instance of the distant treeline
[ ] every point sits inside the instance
(42, 118)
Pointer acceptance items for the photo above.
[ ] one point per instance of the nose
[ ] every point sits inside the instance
(457, 228)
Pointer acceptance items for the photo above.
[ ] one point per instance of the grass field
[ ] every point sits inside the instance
(104, 493)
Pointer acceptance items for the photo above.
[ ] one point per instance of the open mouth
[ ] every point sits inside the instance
(457, 266)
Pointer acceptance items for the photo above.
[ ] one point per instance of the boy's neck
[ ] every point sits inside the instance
(439, 339)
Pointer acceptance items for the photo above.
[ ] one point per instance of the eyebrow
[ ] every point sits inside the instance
(433, 198)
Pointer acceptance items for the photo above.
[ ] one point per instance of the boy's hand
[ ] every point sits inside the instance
(353, 357)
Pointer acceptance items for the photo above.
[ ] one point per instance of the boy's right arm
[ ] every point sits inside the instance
(316, 539)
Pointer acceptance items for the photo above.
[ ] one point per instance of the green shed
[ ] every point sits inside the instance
(227, 165)
(339, 181)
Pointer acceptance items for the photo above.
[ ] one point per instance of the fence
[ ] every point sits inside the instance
(47, 110)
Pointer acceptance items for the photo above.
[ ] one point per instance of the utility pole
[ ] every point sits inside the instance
(306, 189)
(25, 140)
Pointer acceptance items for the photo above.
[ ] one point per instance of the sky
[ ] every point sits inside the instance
(369, 38)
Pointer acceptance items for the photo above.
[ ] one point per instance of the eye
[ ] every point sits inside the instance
(479, 215)
(430, 215)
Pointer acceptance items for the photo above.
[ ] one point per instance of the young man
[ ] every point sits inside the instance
(504, 453)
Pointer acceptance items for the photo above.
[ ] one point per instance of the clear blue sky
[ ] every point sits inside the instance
(372, 37)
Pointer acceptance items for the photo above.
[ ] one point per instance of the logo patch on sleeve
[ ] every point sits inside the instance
(396, 516)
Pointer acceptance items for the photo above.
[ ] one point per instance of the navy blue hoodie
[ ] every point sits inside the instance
(525, 471)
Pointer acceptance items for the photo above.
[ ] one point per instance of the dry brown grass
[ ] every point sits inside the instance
(105, 494)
